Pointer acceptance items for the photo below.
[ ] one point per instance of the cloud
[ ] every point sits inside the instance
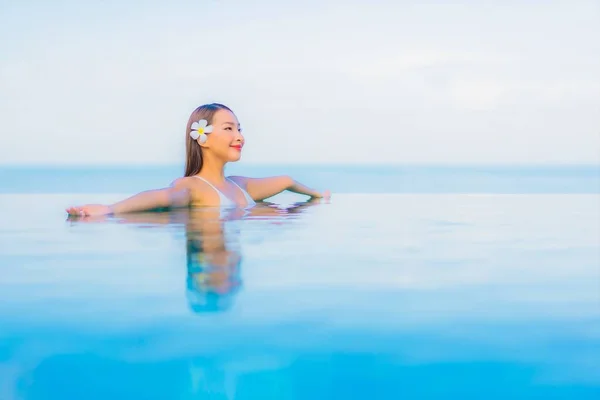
(452, 84)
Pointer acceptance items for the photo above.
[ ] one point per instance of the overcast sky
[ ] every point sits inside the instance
(113, 82)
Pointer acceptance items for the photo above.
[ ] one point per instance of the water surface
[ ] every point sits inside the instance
(379, 296)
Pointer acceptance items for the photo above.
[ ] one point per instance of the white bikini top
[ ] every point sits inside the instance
(226, 201)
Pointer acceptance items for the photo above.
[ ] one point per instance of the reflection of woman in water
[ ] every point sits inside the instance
(213, 248)
(214, 255)
(213, 261)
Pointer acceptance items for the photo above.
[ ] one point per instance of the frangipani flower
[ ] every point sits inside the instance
(200, 129)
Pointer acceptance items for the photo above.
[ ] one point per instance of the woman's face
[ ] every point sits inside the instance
(226, 140)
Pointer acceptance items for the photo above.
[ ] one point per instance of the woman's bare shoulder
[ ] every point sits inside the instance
(185, 182)
(201, 193)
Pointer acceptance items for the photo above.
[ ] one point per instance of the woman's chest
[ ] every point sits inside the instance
(213, 197)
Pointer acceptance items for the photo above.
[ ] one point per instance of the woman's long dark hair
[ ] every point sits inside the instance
(193, 151)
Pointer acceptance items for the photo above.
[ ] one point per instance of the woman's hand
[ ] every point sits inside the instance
(323, 195)
(89, 210)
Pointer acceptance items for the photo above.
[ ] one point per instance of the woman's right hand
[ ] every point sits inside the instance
(89, 210)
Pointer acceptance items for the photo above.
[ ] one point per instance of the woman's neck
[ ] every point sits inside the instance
(213, 170)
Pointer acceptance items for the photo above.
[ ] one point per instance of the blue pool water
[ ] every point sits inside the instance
(379, 294)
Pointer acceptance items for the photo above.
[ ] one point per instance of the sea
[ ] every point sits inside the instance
(411, 282)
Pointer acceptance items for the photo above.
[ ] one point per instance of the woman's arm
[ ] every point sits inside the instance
(176, 196)
(263, 188)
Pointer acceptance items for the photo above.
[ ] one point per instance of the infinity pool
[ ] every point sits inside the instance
(372, 296)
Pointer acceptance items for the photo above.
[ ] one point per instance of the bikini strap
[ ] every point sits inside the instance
(249, 199)
(222, 197)
(207, 182)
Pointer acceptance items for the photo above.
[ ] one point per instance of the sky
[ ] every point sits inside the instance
(312, 82)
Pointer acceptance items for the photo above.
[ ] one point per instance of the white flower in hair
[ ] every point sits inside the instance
(200, 129)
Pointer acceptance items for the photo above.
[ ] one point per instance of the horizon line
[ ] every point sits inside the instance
(269, 164)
